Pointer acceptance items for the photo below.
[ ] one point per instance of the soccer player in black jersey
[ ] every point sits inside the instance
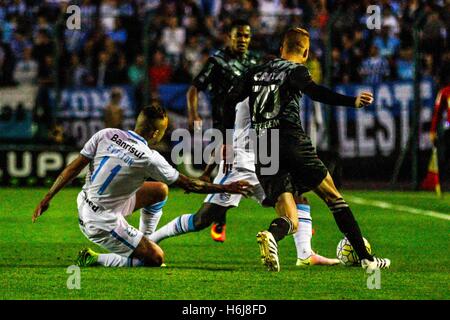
(219, 76)
(274, 90)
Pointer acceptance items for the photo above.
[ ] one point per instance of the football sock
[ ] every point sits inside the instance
(150, 217)
(302, 237)
(280, 227)
(114, 260)
(180, 225)
(349, 227)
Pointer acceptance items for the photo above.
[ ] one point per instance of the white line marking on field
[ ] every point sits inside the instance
(387, 205)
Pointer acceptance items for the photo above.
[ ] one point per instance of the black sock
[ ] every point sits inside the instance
(280, 227)
(349, 227)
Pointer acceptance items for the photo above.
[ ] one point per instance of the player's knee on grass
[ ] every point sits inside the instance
(155, 256)
(149, 253)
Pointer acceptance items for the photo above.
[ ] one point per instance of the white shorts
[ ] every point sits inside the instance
(108, 227)
(236, 174)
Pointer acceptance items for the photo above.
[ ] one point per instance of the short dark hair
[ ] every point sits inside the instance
(237, 23)
(154, 112)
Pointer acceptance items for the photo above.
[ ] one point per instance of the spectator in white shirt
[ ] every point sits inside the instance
(173, 39)
(26, 70)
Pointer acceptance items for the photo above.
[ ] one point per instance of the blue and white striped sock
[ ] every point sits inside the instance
(303, 235)
(150, 217)
(180, 225)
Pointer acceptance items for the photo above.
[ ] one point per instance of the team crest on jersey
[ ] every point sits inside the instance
(132, 232)
(225, 196)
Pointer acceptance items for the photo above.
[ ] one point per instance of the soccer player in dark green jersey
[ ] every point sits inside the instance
(274, 90)
(219, 76)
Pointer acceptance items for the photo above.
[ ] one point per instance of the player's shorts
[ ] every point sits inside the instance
(108, 227)
(300, 170)
(236, 174)
(275, 185)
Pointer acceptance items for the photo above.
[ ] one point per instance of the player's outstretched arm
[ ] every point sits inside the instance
(199, 186)
(68, 174)
(327, 96)
(192, 104)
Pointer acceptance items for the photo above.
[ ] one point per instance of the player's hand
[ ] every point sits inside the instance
(40, 209)
(227, 156)
(205, 177)
(239, 187)
(363, 99)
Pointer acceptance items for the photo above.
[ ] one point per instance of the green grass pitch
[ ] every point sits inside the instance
(34, 257)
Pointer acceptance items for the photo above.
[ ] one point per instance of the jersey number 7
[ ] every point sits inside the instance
(268, 95)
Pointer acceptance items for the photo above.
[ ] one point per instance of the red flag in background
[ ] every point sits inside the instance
(431, 181)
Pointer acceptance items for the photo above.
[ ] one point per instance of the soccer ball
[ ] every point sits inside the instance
(347, 255)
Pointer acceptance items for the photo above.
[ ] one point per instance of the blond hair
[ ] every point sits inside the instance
(294, 40)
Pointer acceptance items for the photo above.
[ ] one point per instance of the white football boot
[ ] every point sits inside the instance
(377, 263)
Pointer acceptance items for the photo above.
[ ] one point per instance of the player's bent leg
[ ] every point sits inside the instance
(88, 257)
(218, 228)
(115, 235)
(187, 223)
(150, 193)
(343, 215)
(285, 224)
(149, 253)
(150, 198)
(346, 222)
(121, 242)
(327, 191)
(208, 214)
(287, 211)
(225, 200)
(302, 238)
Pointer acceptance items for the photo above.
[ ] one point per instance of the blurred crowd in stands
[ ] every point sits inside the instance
(109, 47)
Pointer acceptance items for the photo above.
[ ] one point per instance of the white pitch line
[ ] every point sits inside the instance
(387, 205)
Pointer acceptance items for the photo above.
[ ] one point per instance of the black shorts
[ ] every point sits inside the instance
(274, 186)
(300, 168)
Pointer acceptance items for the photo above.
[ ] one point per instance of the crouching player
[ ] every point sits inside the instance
(119, 163)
